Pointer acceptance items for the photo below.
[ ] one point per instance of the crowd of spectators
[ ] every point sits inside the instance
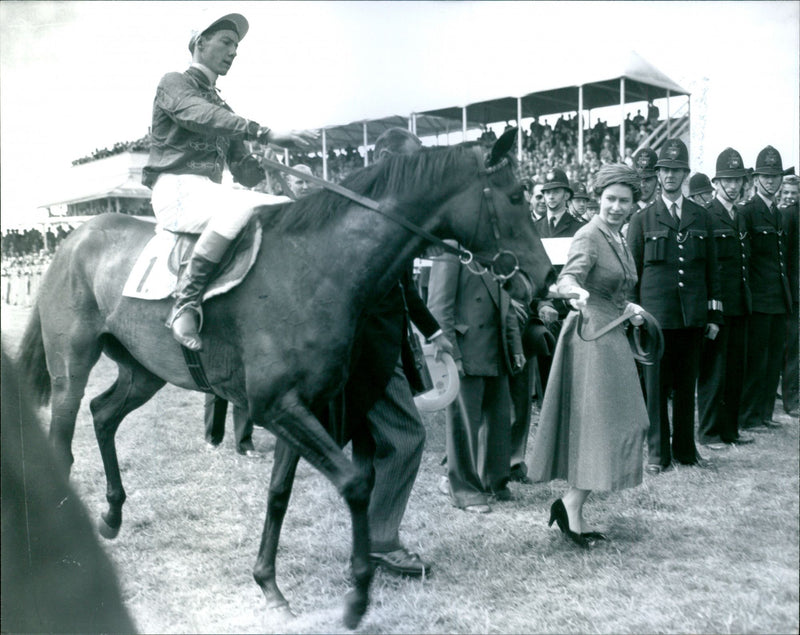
(140, 145)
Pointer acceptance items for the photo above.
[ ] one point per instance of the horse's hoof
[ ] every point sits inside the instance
(281, 612)
(107, 531)
(355, 607)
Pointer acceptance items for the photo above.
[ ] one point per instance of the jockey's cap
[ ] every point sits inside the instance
(236, 21)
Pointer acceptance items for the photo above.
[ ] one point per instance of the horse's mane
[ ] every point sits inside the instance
(420, 179)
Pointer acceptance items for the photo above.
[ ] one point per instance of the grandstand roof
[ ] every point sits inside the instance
(117, 176)
(548, 89)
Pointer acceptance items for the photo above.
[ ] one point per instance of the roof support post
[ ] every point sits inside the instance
(463, 123)
(519, 129)
(622, 119)
(580, 124)
(286, 156)
(414, 122)
(669, 123)
(366, 140)
(324, 155)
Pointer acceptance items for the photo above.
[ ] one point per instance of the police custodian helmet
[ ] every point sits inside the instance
(730, 165)
(769, 162)
(556, 178)
(699, 183)
(674, 155)
(645, 163)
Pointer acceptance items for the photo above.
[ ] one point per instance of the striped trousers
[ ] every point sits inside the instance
(387, 448)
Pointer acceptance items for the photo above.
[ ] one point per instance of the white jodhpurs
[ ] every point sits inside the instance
(190, 203)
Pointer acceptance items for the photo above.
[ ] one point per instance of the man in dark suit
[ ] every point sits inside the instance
(476, 314)
(773, 253)
(719, 386)
(388, 434)
(672, 244)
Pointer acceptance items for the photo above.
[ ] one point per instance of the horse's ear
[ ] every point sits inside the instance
(502, 146)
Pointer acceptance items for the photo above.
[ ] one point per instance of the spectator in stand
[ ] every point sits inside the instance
(774, 254)
(638, 120)
(700, 189)
(721, 375)
(652, 114)
(671, 242)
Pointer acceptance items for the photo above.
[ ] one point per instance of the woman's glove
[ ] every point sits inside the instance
(636, 319)
(581, 296)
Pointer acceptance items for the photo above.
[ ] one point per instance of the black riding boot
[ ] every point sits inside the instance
(186, 318)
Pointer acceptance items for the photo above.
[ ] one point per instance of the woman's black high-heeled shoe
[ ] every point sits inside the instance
(558, 514)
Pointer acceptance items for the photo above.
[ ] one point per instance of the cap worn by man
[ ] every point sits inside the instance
(232, 21)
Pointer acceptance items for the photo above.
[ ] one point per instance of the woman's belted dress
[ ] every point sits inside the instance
(594, 419)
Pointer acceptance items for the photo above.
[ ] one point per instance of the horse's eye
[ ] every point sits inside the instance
(516, 197)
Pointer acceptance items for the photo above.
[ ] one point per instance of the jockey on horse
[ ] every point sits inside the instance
(194, 134)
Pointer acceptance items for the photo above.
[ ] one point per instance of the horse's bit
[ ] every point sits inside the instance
(464, 255)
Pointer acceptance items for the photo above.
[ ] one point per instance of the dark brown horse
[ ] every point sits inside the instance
(281, 341)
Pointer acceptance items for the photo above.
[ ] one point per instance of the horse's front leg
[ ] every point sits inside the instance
(280, 489)
(292, 421)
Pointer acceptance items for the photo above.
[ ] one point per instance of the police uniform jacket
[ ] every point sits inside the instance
(733, 255)
(677, 265)
(769, 263)
(566, 226)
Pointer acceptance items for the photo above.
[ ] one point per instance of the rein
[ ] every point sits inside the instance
(626, 315)
(464, 255)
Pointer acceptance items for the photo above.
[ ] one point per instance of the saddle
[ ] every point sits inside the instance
(154, 276)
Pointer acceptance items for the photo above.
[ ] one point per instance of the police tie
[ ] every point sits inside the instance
(674, 211)
(552, 223)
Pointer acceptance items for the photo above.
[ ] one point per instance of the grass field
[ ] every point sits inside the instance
(690, 551)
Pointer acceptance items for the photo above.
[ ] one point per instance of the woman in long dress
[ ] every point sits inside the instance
(594, 419)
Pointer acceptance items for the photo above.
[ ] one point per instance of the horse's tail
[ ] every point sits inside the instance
(32, 362)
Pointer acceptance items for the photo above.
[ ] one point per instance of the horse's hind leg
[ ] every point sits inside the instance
(134, 386)
(295, 424)
(70, 359)
(280, 489)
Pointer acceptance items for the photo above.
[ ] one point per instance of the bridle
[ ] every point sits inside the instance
(477, 264)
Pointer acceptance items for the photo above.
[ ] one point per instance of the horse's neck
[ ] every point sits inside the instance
(381, 252)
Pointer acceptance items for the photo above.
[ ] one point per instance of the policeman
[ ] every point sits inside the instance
(719, 385)
(672, 244)
(557, 223)
(700, 189)
(645, 163)
(772, 252)
(579, 201)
